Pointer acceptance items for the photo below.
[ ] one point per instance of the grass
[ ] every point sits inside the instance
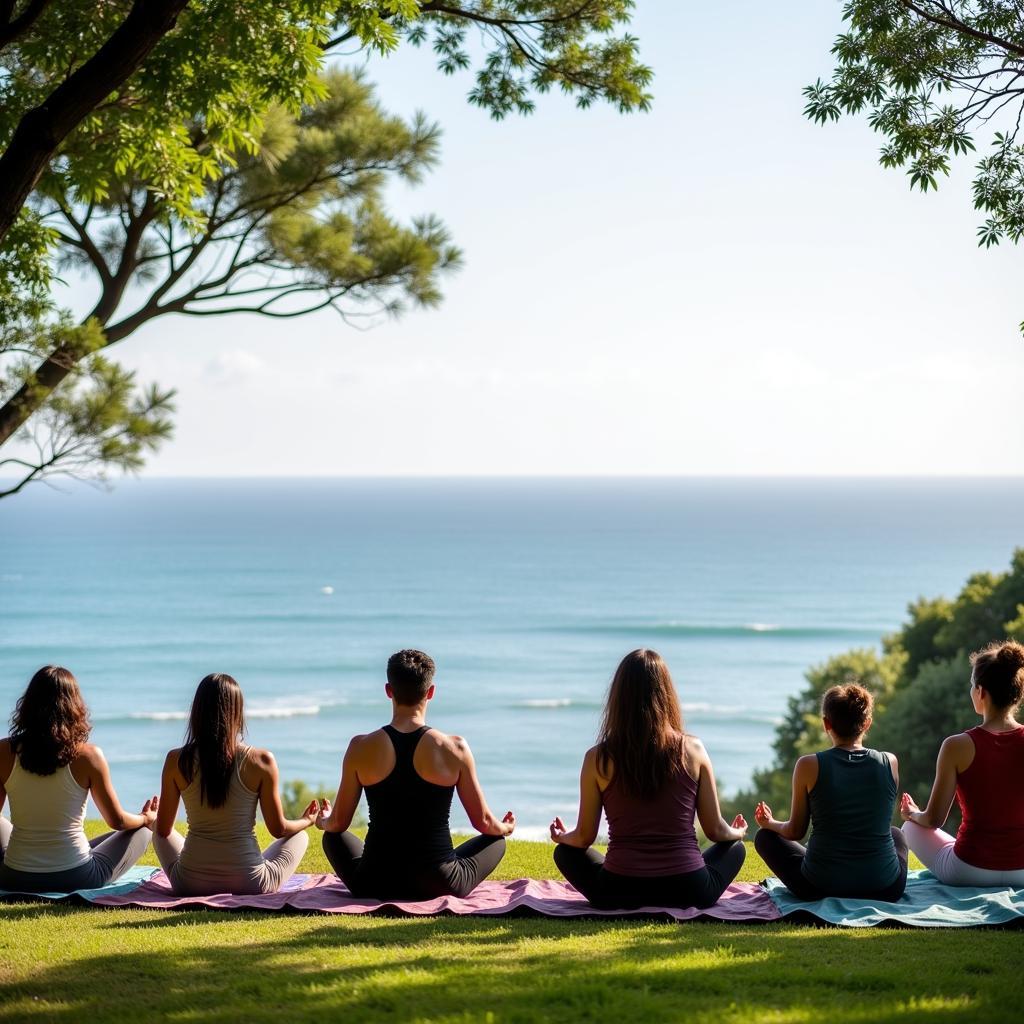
(62, 963)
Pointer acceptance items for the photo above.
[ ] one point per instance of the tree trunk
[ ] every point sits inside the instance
(29, 397)
(42, 129)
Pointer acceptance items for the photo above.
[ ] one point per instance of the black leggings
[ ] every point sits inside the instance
(608, 891)
(474, 860)
(785, 858)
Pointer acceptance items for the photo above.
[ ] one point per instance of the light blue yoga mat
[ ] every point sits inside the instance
(927, 903)
(131, 879)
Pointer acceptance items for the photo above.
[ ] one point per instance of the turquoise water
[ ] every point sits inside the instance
(526, 593)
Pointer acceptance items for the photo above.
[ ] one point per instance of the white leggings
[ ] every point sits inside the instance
(934, 848)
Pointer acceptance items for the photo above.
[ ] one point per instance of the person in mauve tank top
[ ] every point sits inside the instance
(847, 795)
(982, 768)
(651, 779)
(410, 772)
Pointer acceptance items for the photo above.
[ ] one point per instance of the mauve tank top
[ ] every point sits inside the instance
(654, 837)
(991, 800)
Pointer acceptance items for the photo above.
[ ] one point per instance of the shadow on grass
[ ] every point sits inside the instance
(250, 966)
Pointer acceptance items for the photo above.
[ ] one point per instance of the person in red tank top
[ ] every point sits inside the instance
(982, 768)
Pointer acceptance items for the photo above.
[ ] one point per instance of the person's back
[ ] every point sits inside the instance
(651, 779)
(47, 771)
(409, 815)
(221, 842)
(850, 850)
(48, 819)
(409, 773)
(655, 835)
(991, 799)
(221, 782)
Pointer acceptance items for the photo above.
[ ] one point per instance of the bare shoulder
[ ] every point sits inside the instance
(959, 742)
(693, 746)
(457, 746)
(805, 761)
(90, 754)
(262, 759)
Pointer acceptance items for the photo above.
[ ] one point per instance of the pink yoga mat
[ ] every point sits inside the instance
(324, 894)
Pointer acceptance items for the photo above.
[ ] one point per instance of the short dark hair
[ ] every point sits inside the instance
(410, 675)
(848, 709)
(999, 668)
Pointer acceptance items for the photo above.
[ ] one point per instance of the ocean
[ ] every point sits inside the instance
(526, 592)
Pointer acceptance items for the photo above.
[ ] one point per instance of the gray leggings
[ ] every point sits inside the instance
(111, 855)
(280, 859)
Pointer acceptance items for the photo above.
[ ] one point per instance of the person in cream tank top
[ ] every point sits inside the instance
(47, 772)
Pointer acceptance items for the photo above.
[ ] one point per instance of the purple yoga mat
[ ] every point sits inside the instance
(324, 894)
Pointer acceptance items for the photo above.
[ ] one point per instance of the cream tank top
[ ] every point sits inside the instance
(221, 840)
(47, 816)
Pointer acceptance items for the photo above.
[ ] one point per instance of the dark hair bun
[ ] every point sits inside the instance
(999, 669)
(848, 709)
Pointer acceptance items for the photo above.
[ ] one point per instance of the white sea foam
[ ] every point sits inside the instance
(763, 627)
(545, 702)
(327, 590)
(282, 711)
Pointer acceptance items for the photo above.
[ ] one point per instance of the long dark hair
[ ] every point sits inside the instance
(642, 725)
(50, 722)
(215, 725)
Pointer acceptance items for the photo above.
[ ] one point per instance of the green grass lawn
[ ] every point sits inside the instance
(91, 965)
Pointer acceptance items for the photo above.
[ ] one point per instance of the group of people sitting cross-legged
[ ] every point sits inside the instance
(652, 780)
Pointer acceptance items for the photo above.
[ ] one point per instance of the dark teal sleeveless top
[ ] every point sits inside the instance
(850, 851)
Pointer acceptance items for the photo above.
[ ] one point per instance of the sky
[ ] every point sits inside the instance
(715, 287)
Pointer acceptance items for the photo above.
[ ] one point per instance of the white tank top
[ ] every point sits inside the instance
(47, 812)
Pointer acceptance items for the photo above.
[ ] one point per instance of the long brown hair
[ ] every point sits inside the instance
(50, 722)
(216, 723)
(641, 726)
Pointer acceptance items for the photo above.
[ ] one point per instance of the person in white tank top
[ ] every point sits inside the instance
(47, 772)
(221, 782)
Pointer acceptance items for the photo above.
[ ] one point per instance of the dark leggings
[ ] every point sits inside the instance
(608, 891)
(474, 860)
(785, 858)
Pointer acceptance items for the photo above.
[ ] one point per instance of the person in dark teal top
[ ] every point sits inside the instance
(847, 794)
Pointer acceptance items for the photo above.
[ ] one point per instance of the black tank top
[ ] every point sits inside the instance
(408, 815)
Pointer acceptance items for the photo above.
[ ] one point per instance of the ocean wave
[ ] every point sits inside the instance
(696, 710)
(683, 629)
(270, 711)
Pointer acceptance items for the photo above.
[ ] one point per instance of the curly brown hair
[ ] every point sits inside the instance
(50, 721)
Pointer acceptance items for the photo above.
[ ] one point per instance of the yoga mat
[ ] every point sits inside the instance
(324, 894)
(127, 883)
(927, 903)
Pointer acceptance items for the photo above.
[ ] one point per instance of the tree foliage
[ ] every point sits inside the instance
(220, 171)
(938, 79)
(919, 681)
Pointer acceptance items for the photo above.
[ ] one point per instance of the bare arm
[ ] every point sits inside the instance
(102, 789)
(269, 790)
(709, 811)
(955, 755)
(170, 796)
(588, 820)
(472, 796)
(805, 775)
(6, 764)
(350, 789)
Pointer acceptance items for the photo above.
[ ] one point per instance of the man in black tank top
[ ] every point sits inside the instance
(409, 773)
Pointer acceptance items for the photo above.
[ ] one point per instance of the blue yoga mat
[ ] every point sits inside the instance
(131, 879)
(927, 903)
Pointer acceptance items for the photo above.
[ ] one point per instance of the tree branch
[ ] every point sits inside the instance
(42, 129)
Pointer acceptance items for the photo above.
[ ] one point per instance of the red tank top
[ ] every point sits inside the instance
(653, 837)
(991, 798)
